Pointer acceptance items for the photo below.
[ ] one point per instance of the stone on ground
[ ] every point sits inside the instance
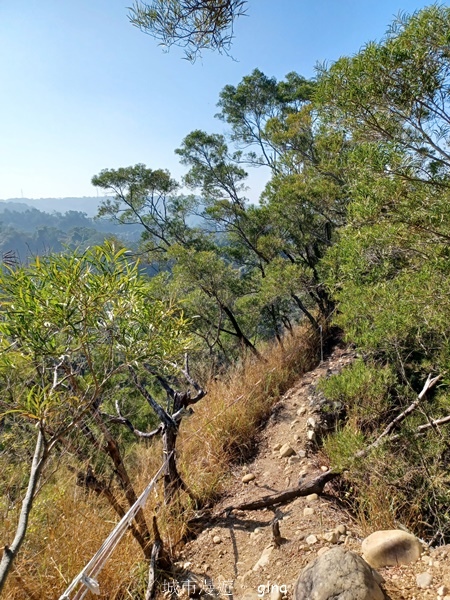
(286, 450)
(338, 575)
(390, 548)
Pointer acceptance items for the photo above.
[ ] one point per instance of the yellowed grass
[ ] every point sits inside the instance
(68, 525)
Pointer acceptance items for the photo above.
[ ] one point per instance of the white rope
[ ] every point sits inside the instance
(87, 577)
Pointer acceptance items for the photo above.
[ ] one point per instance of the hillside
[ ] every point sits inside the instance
(236, 550)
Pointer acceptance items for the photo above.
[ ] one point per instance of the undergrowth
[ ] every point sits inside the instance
(69, 524)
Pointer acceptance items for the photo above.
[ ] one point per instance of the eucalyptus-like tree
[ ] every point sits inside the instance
(83, 336)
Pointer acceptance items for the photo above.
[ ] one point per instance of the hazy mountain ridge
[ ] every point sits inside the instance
(28, 230)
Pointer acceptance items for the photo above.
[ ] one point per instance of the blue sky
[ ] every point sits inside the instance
(83, 90)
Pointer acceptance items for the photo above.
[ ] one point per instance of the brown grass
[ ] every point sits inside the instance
(68, 525)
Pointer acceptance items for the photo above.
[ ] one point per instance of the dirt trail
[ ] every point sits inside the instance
(234, 556)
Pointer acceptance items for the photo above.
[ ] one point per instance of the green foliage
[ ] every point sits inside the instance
(364, 390)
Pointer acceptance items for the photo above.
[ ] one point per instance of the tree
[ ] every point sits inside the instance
(74, 330)
(148, 198)
(395, 93)
(194, 25)
(250, 106)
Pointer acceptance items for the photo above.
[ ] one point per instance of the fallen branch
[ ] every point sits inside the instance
(430, 382)
(313, 486)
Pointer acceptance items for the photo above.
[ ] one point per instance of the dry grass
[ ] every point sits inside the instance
(68, 525)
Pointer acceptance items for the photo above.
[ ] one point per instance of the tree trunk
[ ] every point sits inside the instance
(10, 552)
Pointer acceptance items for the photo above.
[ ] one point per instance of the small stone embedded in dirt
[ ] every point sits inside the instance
(331, 537)
(311, 435)
(302, 453)
(308, 511)
(424, 580)
(339, 575)
(311, 539)
(324, 468)
(217, 539)
(294, 423)
(248, 477)
(390, 548)
(286, 450)
(442, 591)
(276, 447)
(293, 459)
(301, 411)
(312, 497)
(264, 558)
(341, 529)
(311, 423)
(275, 593)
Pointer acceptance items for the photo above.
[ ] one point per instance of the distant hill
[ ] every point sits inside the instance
(87, 204)
(31, 227)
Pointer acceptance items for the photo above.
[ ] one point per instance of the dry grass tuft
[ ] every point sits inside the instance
(68, 525)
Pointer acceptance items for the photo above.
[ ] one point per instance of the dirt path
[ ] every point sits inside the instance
(235, 556)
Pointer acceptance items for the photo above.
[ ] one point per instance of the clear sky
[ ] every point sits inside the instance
(83, 90)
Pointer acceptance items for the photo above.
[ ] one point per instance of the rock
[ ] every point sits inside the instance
(294, 423)
(264, 558)
(248, 477)
(390, 548)
(286, 450)
(293, 459)
(323, 468)
(301, 411)
(275, 593)
(338, 575)
(442, 591)
(302, 453)
(311, 423)
(341, 529)
(312, 497)
(276, 447)
(217, 539)
(311, 539)
(331, 537)
(310, 434)
(424, 580)
(308, 512)
(321, 551)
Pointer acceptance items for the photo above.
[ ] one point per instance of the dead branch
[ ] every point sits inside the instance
(313, 486)
(154, 558)
(430, 382)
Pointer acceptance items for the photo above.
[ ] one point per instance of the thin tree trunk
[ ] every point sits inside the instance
(10, 552)
(305, 311)
(240, 335)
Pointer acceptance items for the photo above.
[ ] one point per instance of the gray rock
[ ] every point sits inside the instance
(390, 548)
(338, 575)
